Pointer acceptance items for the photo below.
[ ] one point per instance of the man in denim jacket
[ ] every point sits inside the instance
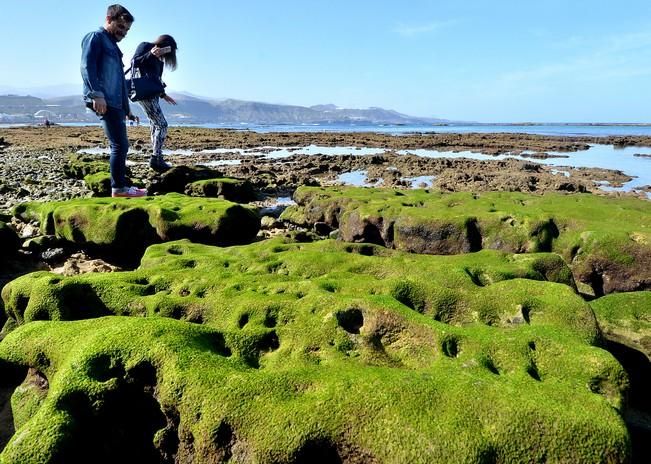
(105, 91)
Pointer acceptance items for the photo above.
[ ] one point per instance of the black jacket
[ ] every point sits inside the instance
(146, 63)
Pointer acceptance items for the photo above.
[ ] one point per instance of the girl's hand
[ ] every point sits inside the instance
(169, 99)
(156, 51)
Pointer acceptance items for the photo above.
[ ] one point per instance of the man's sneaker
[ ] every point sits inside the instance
(128, 192)
(158, 164)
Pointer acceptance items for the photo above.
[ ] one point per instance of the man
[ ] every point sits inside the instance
(105, 91)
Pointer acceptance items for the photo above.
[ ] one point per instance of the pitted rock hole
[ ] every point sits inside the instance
(373, 234)
(224, 439)
(175, 250)
(188, 263)
(243, 320)
(21, 304)
(80, 301)
(473, 235)
(489, 364)
(104, 367)
(533, 372)
(269, 342)
(318, 451)
(184, 292)
(546, 233)
(141, 281)
(265, 343)
(409, 295)
(119, 428)
(351, 320)
(326, 450)
(143, 373)
(216, 343)
(450, 347)
(330, 287)
(362, 249)
(271, 319)
(476, 277)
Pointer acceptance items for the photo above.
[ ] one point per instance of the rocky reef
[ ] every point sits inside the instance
(502, 314)
(284, 352)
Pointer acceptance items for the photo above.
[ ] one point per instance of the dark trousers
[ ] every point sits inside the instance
(115, 129)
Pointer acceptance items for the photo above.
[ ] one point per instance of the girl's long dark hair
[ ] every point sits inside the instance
(170, 58)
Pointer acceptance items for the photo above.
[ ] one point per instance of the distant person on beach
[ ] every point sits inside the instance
(150, 59)
(105, 92)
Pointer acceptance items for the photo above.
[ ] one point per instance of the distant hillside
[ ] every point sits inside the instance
(191, 109)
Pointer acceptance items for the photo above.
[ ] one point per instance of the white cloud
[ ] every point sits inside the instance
(413, 30)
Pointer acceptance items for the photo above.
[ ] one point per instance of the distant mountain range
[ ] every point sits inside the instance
(200, 110)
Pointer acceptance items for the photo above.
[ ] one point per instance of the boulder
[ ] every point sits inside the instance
(606, 241)
(178, 177)
(126, 226)
(99, 183)
(312, 352)
(237, 190)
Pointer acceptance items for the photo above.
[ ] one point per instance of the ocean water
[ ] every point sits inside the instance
(588, 130)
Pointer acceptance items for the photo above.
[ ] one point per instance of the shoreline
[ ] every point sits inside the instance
(33, 159)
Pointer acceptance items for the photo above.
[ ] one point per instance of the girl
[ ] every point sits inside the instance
(150, 59)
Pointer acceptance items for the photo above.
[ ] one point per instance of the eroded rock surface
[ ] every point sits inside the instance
(285, 351)
(605, 241)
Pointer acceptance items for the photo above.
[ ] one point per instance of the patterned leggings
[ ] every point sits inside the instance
(157, 123)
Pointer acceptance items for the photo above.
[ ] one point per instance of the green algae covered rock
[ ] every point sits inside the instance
(128, 225)
(78, 166)
(178, 178)
(193, 282)
(291, 352)
(607, 241)
(626, 318)
(99, 183)
(237, 190)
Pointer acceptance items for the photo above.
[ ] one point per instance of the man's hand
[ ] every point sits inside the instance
(99, 105)
(169, 99)
(133, 117)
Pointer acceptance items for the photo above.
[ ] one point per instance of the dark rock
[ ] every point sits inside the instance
(9, 240)
(322, 228)
(237, 190)
(41, 243)
(177, 178)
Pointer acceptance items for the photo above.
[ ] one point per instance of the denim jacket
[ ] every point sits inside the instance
(102, 70)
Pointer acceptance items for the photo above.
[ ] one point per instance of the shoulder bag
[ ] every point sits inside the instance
(143, 87)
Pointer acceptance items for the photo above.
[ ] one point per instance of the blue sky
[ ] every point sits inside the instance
(488, 61)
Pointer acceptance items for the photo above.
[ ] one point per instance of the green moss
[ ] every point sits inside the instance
(99, 183)
(606, 240)
(128, 224)
(320, 348)
(237, 190)
(626, 318)
(447, 407)
(79, 166)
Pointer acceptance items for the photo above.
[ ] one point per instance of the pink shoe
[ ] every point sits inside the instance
(128, 192)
